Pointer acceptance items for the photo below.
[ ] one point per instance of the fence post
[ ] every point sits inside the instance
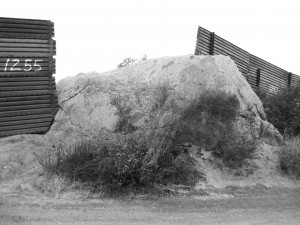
(197, 51)
(289, 80)
(258, 79)
(212, 43)
(248, 67)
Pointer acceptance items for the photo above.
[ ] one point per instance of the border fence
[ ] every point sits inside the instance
(28, 100)
(260, 74)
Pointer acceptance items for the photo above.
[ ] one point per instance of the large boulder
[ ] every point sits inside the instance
(92, 102)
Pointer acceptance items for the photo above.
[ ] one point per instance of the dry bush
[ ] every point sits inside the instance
(127, 161)
(235, 150)
(209, 121)
(283, 109)
(289, 157)
(208, 118)
(65, 160)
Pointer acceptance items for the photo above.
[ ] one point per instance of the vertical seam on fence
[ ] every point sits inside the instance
(198, 40)
(51, 78)
(212, 43)
(289, 81)
(248, 68)
(258, 79)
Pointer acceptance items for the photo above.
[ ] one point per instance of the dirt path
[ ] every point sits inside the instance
(276, 206)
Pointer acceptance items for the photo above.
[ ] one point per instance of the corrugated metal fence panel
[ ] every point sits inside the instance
(221, 47)
(271, 77)
(27, 47)
(26, 28)
(275, 74)
(252, 78)
(28, 100)
(295, 80)
(203, 41)
(238, 55)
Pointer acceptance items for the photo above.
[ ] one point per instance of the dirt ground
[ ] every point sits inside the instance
(263, 196)
(222, 206)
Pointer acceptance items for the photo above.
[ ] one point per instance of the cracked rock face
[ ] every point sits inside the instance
(92, 102)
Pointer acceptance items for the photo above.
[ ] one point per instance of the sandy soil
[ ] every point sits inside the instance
(231, 206)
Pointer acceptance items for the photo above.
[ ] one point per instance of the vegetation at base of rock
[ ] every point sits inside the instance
(283, 109)
(209, 118)
(208, 121)
(127, 161)
(144, 157)
(215, 104)
(129, 60)
(289, 157)
(235, 149)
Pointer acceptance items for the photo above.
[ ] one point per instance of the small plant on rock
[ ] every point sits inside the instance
(124, 110)
(129, 60)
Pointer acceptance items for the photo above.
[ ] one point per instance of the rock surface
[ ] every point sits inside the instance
(88, 101)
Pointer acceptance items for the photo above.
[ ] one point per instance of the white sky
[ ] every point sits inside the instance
(95, 35)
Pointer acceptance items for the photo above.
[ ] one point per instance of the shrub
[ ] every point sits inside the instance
(51, 159)
(63, 160)
(289, 157)
(127, 161)
(216, 104)
(235, 150)
(283, 110)
(208, 120)
(209, 117)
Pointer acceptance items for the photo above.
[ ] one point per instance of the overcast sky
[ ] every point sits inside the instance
(95, 35)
